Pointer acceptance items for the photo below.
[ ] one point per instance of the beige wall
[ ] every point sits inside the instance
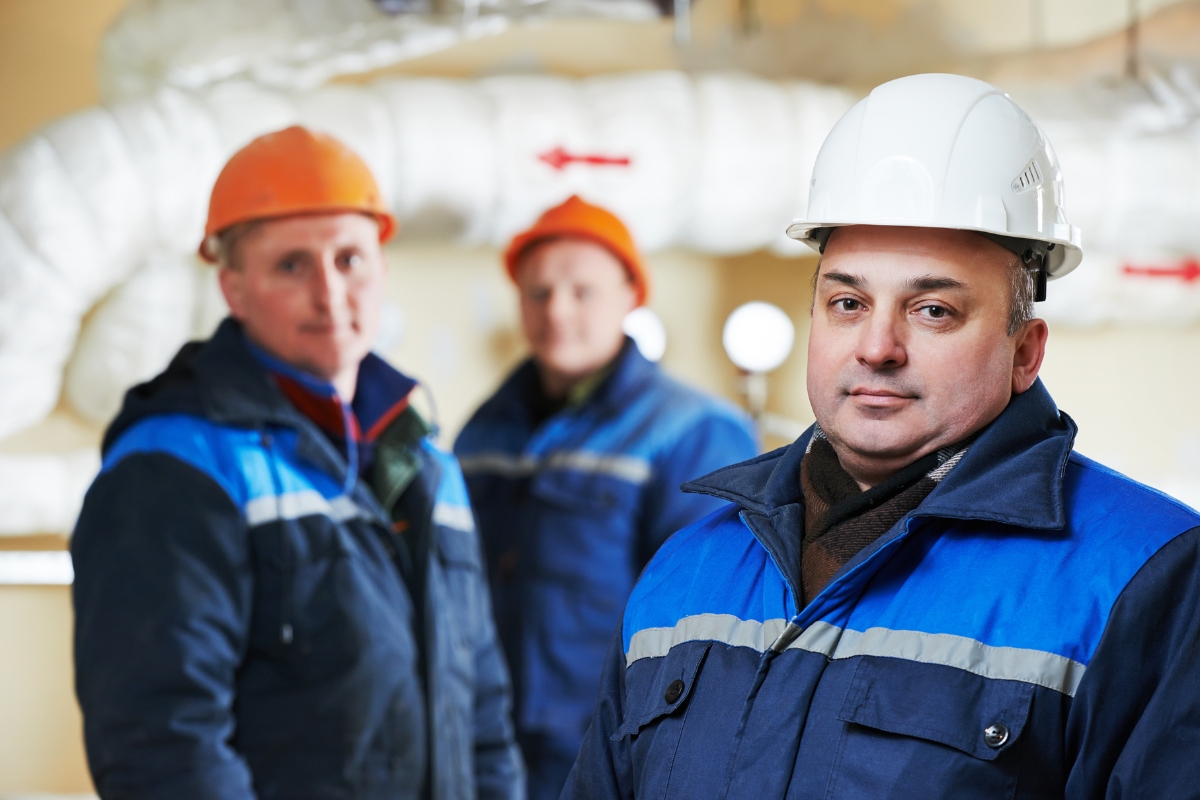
(47, 55)
(48, 51)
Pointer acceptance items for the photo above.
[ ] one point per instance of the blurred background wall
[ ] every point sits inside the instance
(1131, 387)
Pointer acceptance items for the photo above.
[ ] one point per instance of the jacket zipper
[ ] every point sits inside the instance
(791, 632)
(286, 632)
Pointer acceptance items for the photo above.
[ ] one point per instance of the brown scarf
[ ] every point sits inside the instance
(840, 519)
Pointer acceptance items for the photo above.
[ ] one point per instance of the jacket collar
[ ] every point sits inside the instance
(236, 387)
(630, 374)
(222, 380)
(380, 396)
(1012, 474)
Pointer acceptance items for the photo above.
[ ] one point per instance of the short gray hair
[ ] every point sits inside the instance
(1022, 280)
(223, 245)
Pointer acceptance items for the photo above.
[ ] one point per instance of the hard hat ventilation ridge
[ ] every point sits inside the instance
(1030, 177)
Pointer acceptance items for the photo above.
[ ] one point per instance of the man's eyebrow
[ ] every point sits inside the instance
(843, 278)
(929, 283)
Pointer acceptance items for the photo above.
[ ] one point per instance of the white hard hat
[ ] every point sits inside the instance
(943, 151)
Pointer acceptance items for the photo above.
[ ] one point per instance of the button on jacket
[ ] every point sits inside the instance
(571, 509)
(1029, 631)
(248, 624)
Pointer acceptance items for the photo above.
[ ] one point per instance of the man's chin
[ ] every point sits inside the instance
(563, 363)
(328, 363)
(878, 440)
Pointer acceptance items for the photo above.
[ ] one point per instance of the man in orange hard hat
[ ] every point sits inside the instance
(278, 588)
(574, 467)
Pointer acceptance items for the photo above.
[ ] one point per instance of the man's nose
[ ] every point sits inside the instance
(558, 304)
(882, 345)
(328, 285)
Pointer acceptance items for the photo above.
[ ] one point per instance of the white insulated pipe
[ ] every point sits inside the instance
(101, 212)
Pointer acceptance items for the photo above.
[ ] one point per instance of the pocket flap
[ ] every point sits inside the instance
(657, 687)
(978, 716)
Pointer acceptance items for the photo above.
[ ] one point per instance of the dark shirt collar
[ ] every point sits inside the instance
(1013, 473)
(521, 398)
(381, 394)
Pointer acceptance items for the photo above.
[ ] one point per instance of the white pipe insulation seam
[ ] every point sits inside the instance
(302, 44)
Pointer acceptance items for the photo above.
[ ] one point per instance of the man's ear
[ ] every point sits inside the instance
(233, 287)
(631, 300)
(1031, 349)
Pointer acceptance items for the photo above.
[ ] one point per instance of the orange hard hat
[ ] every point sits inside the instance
(288, 172)
(578, 219)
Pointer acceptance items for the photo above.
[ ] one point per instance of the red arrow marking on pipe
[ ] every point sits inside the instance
(560, 159)
(1187, 272)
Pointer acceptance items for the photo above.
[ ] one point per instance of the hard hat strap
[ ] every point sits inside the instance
(1032, 253)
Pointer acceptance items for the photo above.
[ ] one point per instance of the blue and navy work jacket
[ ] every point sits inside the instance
(571, 510)
(1031, 630)
(245, 627)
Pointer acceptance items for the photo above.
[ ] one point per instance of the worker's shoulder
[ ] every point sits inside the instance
(1101, 502)
(668, 410)
(714, 567)
(221, 452)
(452, 503)
(677, 397)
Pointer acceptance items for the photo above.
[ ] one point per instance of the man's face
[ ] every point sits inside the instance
(909, 349)
(574, 298)
(309, 289)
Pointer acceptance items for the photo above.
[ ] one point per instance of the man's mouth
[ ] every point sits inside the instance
(880, 397)
(328, 328)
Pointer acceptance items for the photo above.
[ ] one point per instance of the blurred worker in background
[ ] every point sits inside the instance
(928, 595)
(574, 467)
(278, 584)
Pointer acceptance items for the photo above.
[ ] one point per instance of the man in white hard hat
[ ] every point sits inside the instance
(929, 594)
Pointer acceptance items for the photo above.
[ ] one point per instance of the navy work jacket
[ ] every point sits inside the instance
(1031, 630)
(572, 509)
(245, 625)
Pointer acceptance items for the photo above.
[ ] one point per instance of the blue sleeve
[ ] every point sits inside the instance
(163, 596)
(603, 769)
(715, 441)
(1134, 725)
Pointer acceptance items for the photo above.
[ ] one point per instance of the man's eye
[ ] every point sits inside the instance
(289, 266)
(936, 312)
(353, 261)
(848, 304)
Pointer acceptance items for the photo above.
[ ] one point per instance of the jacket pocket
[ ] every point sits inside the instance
(583, 531)
(657, 688)
(926, 730)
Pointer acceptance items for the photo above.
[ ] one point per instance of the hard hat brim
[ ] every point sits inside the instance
(387, 226)
(1064, 257)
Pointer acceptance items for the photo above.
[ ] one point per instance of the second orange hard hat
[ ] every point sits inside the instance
(578, 219)
(289, 172)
